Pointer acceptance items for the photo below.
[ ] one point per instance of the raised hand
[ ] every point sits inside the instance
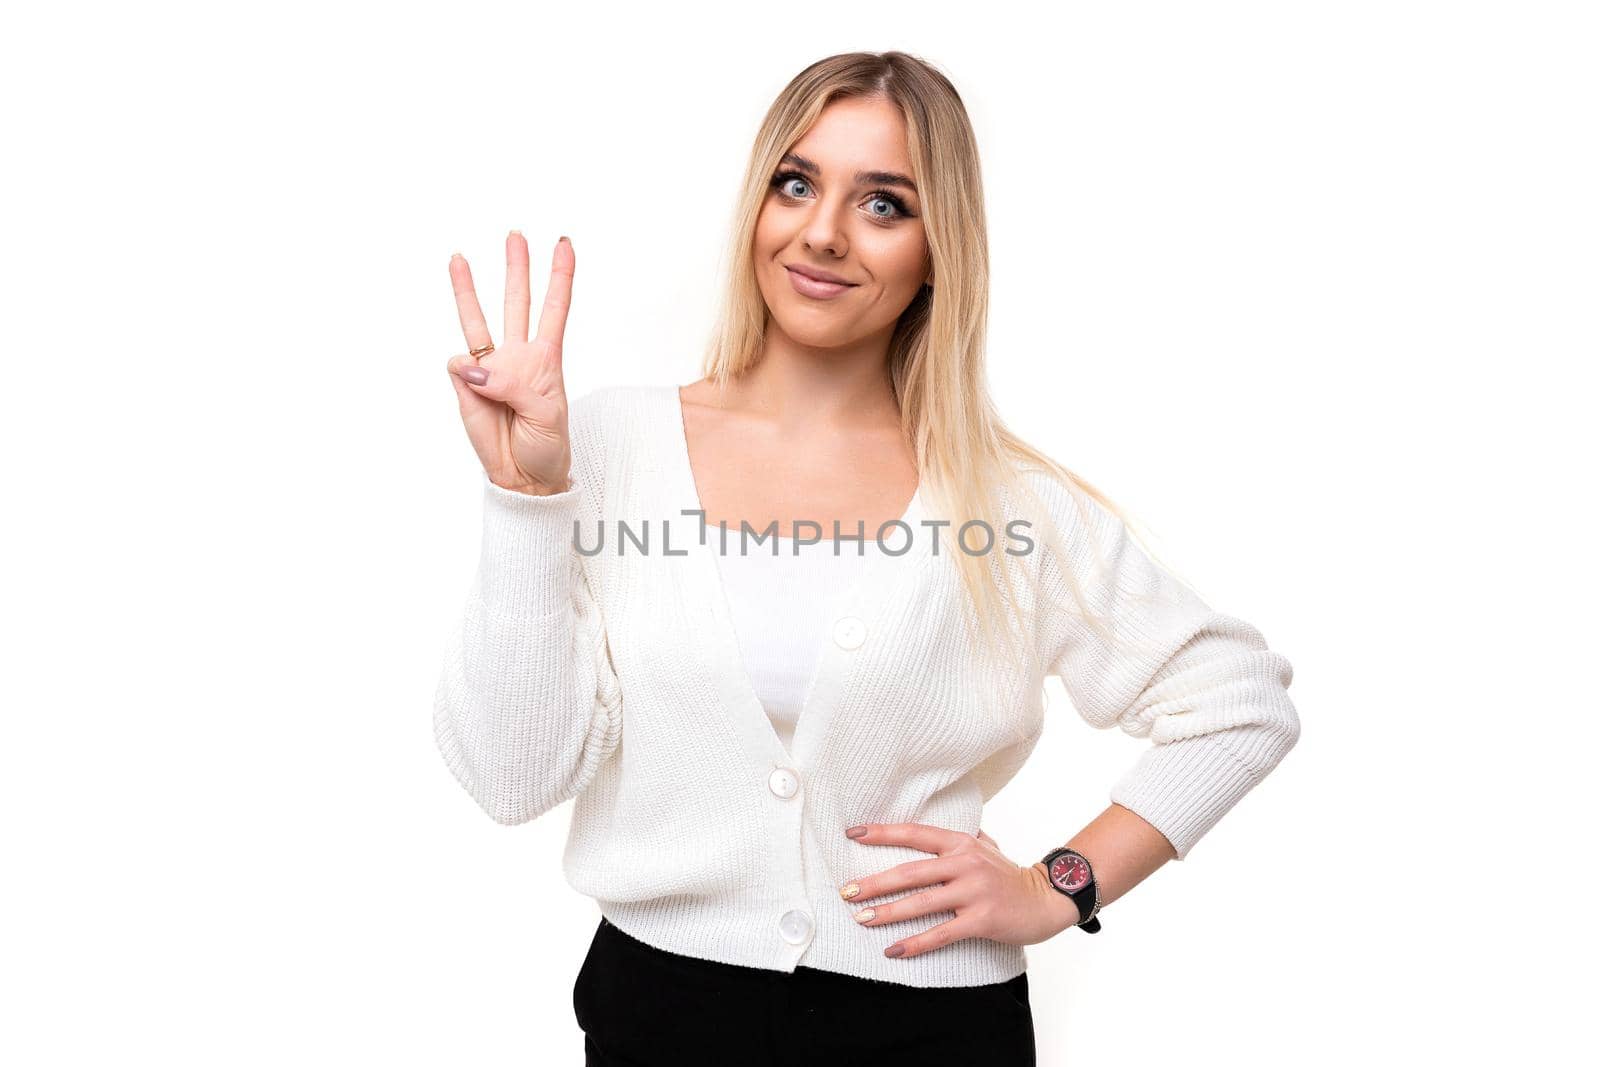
(513, 401)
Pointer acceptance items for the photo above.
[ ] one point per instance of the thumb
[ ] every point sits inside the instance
(483, 417)
(476, 401)
(481, 379)
(497, 382)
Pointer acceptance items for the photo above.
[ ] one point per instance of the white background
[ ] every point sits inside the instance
(1310, 288)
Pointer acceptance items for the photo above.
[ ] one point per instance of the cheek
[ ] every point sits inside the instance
(765, 247)
(769, 237)
(899, 259)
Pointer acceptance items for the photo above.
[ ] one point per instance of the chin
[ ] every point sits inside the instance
(815, 327)
(812, 334)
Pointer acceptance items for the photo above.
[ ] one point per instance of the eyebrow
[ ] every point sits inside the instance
(863, 177)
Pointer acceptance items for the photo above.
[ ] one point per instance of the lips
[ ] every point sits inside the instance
(807, 285)
(819, 275)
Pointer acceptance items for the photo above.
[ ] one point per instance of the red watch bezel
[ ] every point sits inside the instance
(1081, 872)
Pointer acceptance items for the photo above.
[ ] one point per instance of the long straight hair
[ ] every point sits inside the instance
(969, 462)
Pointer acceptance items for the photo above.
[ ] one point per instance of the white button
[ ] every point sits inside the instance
(784, 782)
(795, 926)
(849, 632)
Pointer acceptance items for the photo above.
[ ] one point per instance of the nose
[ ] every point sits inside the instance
(822, 231)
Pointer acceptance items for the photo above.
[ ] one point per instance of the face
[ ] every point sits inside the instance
(836, 207)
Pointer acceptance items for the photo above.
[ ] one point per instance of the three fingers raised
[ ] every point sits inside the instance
(517, 377)
(552, 316)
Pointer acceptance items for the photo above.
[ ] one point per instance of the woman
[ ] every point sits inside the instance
(780, 745)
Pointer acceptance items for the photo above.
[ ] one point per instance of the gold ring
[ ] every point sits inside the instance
(484, 351)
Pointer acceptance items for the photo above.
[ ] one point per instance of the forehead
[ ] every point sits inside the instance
(857, 134)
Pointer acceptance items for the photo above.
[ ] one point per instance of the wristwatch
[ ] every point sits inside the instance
(1069, 873)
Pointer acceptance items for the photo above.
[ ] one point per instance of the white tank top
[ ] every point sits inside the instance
(782, 608)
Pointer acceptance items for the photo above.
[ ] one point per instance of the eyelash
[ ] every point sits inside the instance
(783, 177)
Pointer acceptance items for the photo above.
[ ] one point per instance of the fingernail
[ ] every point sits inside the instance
(516, 233)
(895, 950)
(856, 831)
(865, 915)
(849, 891)
(455, 255)
(475, 375)
(567, 240)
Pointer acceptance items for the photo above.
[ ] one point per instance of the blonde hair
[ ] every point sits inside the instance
(965, 455)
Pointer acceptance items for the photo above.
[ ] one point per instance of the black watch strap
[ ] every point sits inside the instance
(1087, 898)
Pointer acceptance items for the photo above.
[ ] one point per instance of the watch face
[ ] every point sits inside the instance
(1069, 872)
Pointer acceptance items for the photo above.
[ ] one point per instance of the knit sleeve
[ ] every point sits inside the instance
(1202, 686)
(528, 706)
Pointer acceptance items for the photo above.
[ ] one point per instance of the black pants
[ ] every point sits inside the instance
(640, 1006)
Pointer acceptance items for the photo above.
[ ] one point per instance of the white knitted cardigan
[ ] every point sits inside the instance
(615, 678)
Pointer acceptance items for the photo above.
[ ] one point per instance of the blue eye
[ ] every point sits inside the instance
(787, 177)
(883, 197)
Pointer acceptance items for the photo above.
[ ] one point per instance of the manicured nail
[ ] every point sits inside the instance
(895, 950)
(475, 375)
(850, 891)
(856, 831)
(865, 915)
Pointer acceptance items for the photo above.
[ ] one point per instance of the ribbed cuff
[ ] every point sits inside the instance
(1184, 787)
(527, 552)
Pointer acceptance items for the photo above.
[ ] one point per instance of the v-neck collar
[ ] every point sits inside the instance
(864, 602)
